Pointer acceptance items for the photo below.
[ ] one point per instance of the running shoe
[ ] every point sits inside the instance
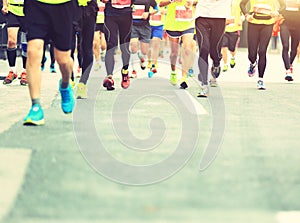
(252, 70)
(289, 78)
(232, 62)
(23, 80)
(204, 92)
(35, 116)
(150, 74)
(67, 98)
(142, 61)
(215, 71)
(183, 83)
(173, 78)
(97, 66)
(52, 68)
(154, 68)
(10, 77)
(191, 72)
(125, 79)
(81, 91)
(213, 82)
(260, 85)
(133, 74)
(149, 64)
(225, 68)
(108, 82)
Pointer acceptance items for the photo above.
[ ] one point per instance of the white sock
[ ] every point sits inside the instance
(13, 69)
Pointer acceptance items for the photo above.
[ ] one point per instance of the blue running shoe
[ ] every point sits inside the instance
(191, 72)
(67, 98)
(252, 70)
(35, 116)
(52, 68)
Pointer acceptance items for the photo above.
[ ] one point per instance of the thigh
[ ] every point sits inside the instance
(265, 36)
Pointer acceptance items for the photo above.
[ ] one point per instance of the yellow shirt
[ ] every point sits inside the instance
(235, 22)
(100, 14)
(16, 7)
(262, 6)
(54, 1)
(175, 20)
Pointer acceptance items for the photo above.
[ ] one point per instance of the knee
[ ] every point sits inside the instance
(11, 43)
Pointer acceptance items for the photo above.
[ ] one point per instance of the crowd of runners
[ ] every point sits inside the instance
(96, 30)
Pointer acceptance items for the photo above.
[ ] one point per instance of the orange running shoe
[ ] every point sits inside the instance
(10, 77)
(23, 80)
(125, 79)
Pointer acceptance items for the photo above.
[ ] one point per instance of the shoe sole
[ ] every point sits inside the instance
(202, 96)
(30, 122)
(109, 85)
(183, 85)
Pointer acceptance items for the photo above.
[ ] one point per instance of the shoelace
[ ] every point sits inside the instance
(125, 78)
(10, 75)
(65, 95)
(23, 76)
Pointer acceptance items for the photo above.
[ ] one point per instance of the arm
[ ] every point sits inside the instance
(164, 3)
(4, 7)
(243, 6)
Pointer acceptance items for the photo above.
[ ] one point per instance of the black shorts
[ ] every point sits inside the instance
(99, 27)
(50, 21)
(13, 20)
(229, 40)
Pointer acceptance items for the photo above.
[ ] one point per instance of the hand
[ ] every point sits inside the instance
(145, 15)
(275, 14)
(249, 18)
(4, 9)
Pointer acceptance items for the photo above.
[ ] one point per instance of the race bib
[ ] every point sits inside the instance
(183, 14)
(120, 3)
(262, 9)
(155, 18)
(101, 7)
(230, 21)
(138, 11)
(292, 5)
(18, 1)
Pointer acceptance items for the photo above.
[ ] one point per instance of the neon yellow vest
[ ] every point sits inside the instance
(270, 3)
(16, 10)
(236, 16)
(54, 2)
(172, 24)
(100, 14)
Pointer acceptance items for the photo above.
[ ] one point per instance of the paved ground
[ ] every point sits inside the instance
(254, 177)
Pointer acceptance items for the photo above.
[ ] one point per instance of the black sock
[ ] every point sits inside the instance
(24, 62)
(11, 56)
(35, 101)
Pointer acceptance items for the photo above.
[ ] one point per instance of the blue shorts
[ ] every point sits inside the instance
(157, 31)
(177, 34)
